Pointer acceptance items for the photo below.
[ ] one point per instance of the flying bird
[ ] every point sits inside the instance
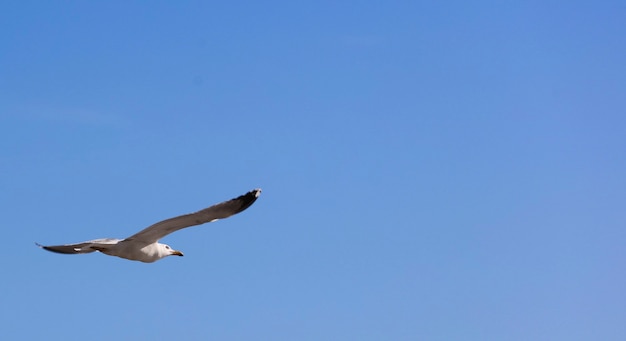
(144, 245)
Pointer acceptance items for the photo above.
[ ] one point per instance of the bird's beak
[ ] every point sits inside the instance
(177, 253)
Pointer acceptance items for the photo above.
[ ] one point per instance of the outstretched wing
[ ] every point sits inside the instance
(222, 210)
(84, 247)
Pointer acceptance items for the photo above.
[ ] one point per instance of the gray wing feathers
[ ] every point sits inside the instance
(84, 247)
(222, 210)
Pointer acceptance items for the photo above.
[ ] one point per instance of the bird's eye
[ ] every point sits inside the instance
(167, 247)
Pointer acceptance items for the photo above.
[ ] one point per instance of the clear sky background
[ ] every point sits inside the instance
(430, 170)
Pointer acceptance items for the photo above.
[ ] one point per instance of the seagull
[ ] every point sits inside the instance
(144, 245)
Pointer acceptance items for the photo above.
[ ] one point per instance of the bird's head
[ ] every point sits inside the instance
(168, 251)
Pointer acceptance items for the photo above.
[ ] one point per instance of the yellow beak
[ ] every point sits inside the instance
(177, 253)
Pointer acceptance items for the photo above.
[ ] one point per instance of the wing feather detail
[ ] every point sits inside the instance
(84, 247)
(222, 210)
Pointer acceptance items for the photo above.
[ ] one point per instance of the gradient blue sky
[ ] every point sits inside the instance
(430, 171)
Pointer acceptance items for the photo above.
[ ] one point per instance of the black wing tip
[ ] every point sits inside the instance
(44, 247)
(248, 199)
(53, 250)
(48, 248)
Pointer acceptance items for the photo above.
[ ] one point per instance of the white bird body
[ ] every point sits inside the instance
(147, 254)
(144, 246)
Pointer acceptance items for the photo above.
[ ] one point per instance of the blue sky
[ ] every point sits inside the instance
(430, 171)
